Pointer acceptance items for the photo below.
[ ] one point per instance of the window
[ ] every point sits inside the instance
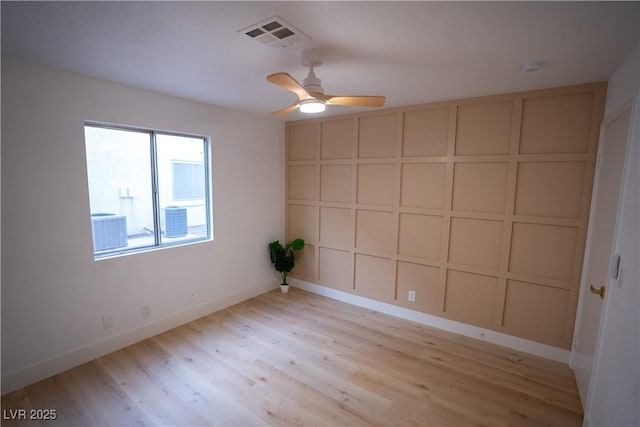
(147, 189)
(188, 181)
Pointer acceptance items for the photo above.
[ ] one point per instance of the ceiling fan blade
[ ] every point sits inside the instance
(285, 110)
(360, 101)
(287, 82)
(355, 100)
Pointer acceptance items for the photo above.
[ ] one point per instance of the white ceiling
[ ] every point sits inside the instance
(411, 52)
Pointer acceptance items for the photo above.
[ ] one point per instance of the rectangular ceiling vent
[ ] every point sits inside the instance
(273, 32)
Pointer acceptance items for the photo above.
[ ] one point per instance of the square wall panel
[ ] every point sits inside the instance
(335, 183)
(475, 242)
(543, 250)
(423, 185)
(480, 187)
(374, 231)
(335, 227)
(305, 261)
(551, 189)
(376, 184)
(556, 124)
(422, 279)
(302, 142)
(337, 140)
(336, 269)
(484, 129)
(302, 220)
(302, 182)
(536, 312)
(374, 278)
(420, 236)
(425, 133)
(377, 136)
(471, 297)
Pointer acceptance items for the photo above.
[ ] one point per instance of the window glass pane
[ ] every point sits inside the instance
(188, 181)
(182, 187)
(120, 196)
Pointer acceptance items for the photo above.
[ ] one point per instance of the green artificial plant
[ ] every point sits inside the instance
(282, 257)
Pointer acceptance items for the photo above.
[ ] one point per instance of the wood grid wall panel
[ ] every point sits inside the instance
(374, 231)
(336, 269)
(423, 279)
(425, 133)
(336, 228)
(480, 187)
(373, 276)
(375, 184)
(480, 205)
(423, 185)
(337, 139)
(302, 189)
(376, 136)
(471, 297)
(536, 311)
(305, 263)
(543, 250)
(302, 145)
(484, 129)
(302, 222)
(557, 124)
(475, 242)
(550, 189)
(335, 183)
(420, 236)
(302, 183)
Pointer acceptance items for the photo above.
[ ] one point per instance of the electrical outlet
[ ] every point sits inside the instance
(146, 310)
(107, 321)
(411, 296)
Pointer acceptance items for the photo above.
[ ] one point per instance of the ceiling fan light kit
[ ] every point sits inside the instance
(311, 106)
(311, 97)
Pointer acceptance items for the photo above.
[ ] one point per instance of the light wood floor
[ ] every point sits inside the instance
(302, 359)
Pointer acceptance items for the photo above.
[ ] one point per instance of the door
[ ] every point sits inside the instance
(602, 227)
(614, 396)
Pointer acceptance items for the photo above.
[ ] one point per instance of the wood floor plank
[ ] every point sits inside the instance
(13, 406)
(149, 391)
(520, 375)
(302, 359)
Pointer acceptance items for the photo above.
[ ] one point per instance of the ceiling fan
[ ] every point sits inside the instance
(311, 97)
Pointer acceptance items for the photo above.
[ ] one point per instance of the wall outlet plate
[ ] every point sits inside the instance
(411, 296)
(107, 321)
(145, 310)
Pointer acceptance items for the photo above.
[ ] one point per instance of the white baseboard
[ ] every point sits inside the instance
(520, 344)
(15, 380)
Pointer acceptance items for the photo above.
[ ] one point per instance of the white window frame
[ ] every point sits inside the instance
(158, 243)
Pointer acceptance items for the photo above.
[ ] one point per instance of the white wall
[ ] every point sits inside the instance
(624, 83)
(54, 294)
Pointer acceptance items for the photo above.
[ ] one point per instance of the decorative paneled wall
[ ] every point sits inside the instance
(480, 206)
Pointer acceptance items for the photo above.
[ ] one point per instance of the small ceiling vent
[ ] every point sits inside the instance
(273, 32)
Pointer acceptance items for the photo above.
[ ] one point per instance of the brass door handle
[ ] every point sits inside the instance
(598, 291)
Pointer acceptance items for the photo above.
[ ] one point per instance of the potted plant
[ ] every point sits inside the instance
(283, 260)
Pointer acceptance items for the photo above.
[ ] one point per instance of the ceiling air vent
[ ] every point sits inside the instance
(274, 32)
